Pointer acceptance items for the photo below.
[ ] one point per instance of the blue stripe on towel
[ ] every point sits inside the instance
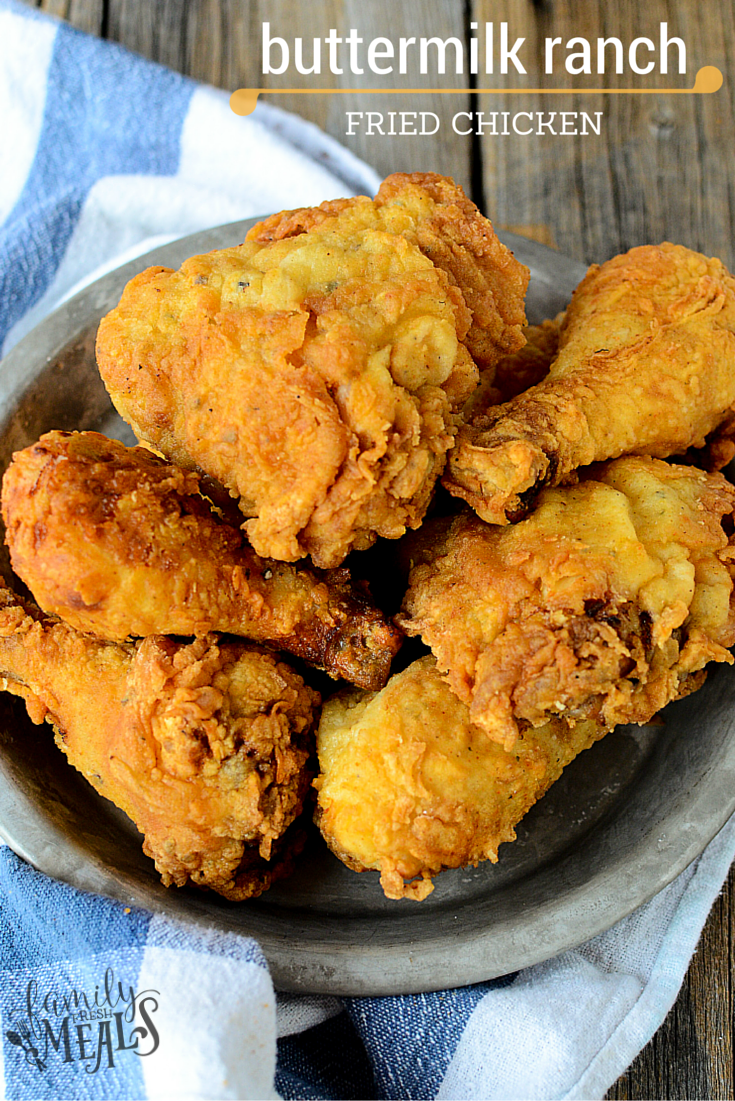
(325, 1063)
(411, 1040)
(58, 922)
(107, 113)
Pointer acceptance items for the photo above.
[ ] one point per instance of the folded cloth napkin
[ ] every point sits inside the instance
(103, 156)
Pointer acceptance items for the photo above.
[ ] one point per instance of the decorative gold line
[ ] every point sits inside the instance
(709, 79)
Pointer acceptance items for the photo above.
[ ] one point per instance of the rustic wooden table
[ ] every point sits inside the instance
(661, 168)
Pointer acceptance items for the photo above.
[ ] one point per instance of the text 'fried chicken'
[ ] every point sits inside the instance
(605, 603)
(316, 370)
(118, 542)
(204, 745)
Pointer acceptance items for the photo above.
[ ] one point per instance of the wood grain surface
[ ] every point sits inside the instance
(663, 167)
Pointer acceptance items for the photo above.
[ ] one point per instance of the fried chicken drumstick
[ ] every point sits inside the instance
(646, 366)
(119, 543)
(518, 371)
(204, 745)
(605, 603)
(410, 786)
(317, 369)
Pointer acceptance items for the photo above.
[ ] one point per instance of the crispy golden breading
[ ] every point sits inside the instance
(452, 233)
(646, 366)
(119, 543)
(517, 372)
(204, 745)
(410, 786)
(719, 447)
(318, 374)
(605, 603)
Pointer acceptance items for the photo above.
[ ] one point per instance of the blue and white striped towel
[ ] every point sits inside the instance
(103, 156)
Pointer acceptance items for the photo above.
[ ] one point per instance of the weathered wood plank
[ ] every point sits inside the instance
(711, 990)
(85, 15)
(660, 169)
(157, 31)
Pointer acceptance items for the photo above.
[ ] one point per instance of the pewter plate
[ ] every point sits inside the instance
(625, 818)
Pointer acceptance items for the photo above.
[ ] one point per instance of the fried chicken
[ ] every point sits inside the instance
(646, 366)
(118, 542)
(518, 371)
(451, 232)
(204, 745)
(317, 369)
(605, 603)
(410, 786)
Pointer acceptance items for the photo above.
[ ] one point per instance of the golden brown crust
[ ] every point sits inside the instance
(317, 369)
(719, 447)
(455, 236)
(204, 745)
(291, 223)
(458, 239)
(254, 875)
(518, 371)
(119, 543)
(410, 786)
(644, 367)
(602, 604)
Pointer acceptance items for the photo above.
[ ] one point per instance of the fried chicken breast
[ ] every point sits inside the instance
(204, 745)
(646, 366)
(317, 369)
(119, 543)
(449, 230)
(410, 786)
(605, 603)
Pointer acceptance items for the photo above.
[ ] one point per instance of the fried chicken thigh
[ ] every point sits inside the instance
(646, 366)
(409, 785)
(204, 745)
(317, 369)
(606, 603)
(118, 542)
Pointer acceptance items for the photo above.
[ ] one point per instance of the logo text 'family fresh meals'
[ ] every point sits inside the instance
(76, 1026)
